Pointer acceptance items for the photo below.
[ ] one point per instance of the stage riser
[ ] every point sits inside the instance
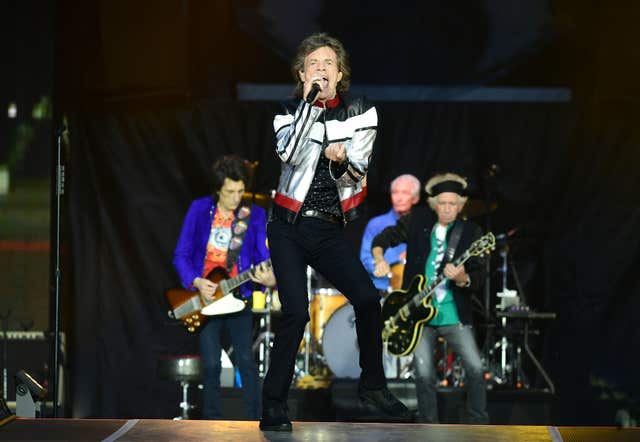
(340, 403)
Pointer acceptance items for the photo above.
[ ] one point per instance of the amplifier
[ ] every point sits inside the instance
(29, 351)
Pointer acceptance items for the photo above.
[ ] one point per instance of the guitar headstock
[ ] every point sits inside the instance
(483, 245)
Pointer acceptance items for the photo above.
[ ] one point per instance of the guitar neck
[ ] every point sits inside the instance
(241, 278)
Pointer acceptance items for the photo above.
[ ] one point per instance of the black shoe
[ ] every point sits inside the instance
(274, 418)
(385, 401)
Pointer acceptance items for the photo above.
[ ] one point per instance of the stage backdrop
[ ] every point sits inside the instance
(565, 180)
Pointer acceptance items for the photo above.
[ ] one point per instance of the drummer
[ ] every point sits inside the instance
(405, 193)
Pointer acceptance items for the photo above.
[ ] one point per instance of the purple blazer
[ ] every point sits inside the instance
(188, 257)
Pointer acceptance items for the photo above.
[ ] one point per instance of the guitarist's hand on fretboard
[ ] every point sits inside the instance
(457, 274)
(206, 288)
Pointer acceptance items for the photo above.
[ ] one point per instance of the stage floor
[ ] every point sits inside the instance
(247, 431)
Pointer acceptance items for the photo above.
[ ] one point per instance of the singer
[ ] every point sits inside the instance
(324, 141)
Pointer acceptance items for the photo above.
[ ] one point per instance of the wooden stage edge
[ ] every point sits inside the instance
(111, 430)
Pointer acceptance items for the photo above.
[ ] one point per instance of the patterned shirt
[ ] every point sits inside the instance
(218, 244)
(323, 193)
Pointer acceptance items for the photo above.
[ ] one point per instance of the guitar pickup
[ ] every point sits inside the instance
(389, 327)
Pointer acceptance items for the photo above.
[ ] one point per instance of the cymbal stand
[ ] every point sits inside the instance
(307, 329)
(488, 182)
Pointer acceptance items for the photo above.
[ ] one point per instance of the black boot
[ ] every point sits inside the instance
(274, 417)
(385, 401)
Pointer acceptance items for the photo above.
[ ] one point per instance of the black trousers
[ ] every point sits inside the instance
(323, 246)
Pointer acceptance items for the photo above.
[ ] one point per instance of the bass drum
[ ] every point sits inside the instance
(340, 343)
(342, 353)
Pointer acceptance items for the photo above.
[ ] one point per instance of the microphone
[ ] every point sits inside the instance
(507, 234)
(60, 130)
(313, 93)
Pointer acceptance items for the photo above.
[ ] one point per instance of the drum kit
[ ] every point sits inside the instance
(329, 347)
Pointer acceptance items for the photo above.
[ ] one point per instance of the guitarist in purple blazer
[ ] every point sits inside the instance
(434, 239)
(219, 234)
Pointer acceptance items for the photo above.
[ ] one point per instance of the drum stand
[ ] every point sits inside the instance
(263, 343)
(312, 359)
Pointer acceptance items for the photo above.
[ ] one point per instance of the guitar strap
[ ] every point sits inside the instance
(454, 239)
(239, 229)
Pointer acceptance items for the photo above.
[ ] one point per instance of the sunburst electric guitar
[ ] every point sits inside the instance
(190, 308)
(407, 311)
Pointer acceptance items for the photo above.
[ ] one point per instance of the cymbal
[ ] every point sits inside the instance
(475, 208)
(261, 199)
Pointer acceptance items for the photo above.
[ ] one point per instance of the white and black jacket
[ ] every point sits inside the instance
(300, 133)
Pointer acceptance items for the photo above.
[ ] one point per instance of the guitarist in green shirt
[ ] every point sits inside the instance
(435, 238)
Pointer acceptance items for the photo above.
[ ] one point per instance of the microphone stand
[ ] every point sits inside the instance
(5, 359)
(59, 189)
(489, 337)
(487, 175)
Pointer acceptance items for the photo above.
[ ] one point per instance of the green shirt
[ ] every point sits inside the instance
(447, 312)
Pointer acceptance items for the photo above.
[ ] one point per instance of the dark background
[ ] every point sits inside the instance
(149, 89)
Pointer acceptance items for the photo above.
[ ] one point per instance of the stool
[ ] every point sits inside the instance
(184, 369)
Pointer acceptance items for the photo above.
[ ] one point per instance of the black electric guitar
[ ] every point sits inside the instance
(189, 307)
(407, 311)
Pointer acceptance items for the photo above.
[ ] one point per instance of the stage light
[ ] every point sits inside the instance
(4, 179)
(28, 395)
(12, 110)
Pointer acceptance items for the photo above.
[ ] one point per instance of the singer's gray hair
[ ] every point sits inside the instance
(317, 41)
